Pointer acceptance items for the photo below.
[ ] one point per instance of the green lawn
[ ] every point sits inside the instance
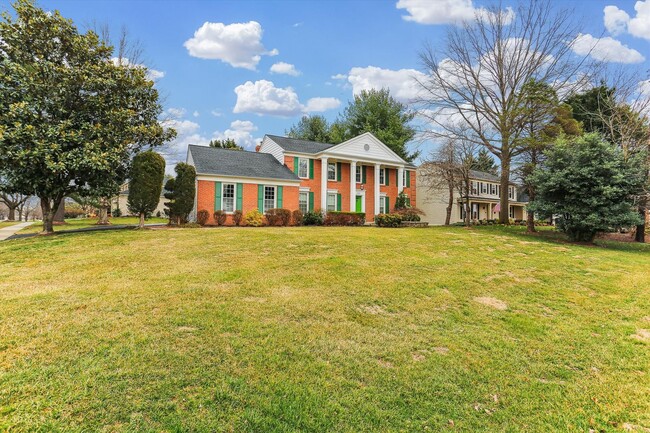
(323, 330)
(78, 223)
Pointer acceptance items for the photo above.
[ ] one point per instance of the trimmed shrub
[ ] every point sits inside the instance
(345, 219)
(219, 217)
(202, 217)
(237, 217)
(410, 214)
(388, 220)
(117, 212)
(278, 217)
(296, 217)
(254, 218)
(313, 218)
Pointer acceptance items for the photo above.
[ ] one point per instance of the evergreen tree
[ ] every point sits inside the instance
(311, 128)
(145, 185)
(589, 185)
(180, 192)
(227, 143)
(485, 163)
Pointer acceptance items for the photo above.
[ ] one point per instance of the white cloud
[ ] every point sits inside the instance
(321, 104)
(285, 68)
(297, 25)
(152, 74)
(262, 97)
(605, 49)
(401, 83)
(187, 132)
(618, 21)
(175, 113)
(445, 11)
(615, 20)
(196, 114)
(239, 44)
(216, 113)
(242, 132)
(644, 88)
(339, 77)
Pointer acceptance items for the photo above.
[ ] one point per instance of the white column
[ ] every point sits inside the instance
(377, 168)
(400, 179)
(323, 184)
(353, 186)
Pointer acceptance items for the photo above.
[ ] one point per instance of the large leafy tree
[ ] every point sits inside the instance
(587, 183)
(70, 118)
(145, 183)
(376, 111)
(180, 192)
(312, 128)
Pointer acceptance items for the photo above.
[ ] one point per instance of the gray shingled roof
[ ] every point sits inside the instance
(228, 162)
(481, 175)
(300, 146)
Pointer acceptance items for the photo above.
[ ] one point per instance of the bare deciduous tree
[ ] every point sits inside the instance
(476, 80)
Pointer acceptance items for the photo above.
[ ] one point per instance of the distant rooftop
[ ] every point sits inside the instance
(298, 145)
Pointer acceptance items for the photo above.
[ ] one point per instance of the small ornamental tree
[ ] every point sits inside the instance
(147, 174)
(180, 192)
(588, 185)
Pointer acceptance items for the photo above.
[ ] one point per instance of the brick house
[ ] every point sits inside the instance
(298, 174)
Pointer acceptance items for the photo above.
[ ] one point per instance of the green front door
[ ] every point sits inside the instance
(358, 206)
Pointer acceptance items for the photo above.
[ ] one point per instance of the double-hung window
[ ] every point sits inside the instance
(382, 176)
(511, 193)
(331, 202)
(331, 171)
(382, 204)
(493, 189)
(303, 202)
(404, 172)
(303, 168)
(228, 197)
(358, 174)
(269, 198)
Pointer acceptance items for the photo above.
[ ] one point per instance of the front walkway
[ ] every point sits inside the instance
(7, 232)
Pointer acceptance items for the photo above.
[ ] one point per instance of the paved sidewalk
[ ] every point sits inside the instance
(7, 232)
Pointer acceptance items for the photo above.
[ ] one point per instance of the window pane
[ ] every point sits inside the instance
(358, 174)
(331, 171)
(303, 167)
(382, 205)
(269, 198)
(303, 202)
(331, 202)
(228, 197)
(382, 178)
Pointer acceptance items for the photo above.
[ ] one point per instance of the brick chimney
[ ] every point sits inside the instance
(257, 148)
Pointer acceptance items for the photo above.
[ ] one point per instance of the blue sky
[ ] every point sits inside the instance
(214, 59)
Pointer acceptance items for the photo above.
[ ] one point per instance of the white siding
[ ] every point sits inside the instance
(270, 146)
(355, 148)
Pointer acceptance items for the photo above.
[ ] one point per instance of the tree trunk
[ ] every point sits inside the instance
(141, 220)
(48, 215)
(504, 216)
(530, 216)
(640, 229)
(12, 213)
(450, 204)
(103, 212)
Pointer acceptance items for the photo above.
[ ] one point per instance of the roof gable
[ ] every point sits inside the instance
(365, 146)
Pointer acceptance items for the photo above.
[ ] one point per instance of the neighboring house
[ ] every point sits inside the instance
(120, 202)
(298, 174)
(485, 193)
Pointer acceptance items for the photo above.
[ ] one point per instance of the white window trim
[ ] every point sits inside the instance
(300, 159)
(336, 169)
(382, 202)
(275, 198)
(234, 197)
(299, 194)
(382, 176)
(331, 193)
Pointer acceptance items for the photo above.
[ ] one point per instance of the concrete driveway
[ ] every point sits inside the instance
(7, 232)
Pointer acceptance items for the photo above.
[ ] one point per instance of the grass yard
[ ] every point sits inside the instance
(323, 330)
(4, 224)
(79, 223)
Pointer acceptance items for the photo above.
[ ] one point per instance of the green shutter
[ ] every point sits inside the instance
(240, 196)
(363, 174)
(408, 179)
(408, 201)
(397, 177)
(217, 196)
(387, 205)
(311, 168)
(338, 202)
(387, 176)
(280, 197)
(311, 201)
(295, 165)
(338, 171)
(260, 198)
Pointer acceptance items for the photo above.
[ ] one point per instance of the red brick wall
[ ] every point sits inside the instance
(391, 189)
(411, 191)
(205, 198)
(312, 184)
(343, 187)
